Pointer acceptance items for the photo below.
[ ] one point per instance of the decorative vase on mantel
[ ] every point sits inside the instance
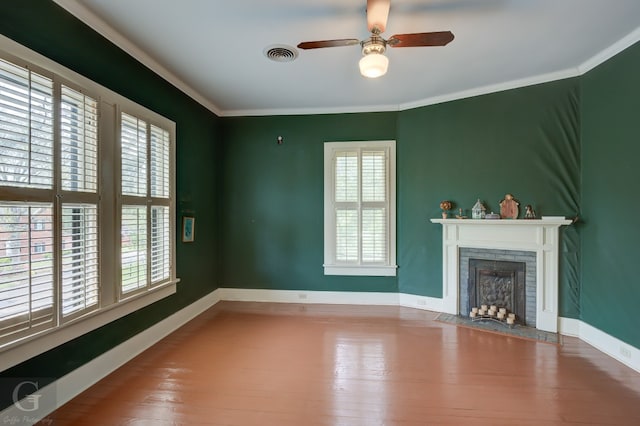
(445, 206)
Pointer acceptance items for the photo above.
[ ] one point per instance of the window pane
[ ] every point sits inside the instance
(160, 244)
(134, 248)
(374, 235)
(26, 266)
(26, 128)
(374, 176)
(79, 258)
(346, 235)
(133, 139)
(79, 141)
(159, 162)
(346, 177)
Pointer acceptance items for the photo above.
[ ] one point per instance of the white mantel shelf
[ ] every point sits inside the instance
(537, 235)
(506, 222)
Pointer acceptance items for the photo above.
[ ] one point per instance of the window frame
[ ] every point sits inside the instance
(358, 268)
(111, 305)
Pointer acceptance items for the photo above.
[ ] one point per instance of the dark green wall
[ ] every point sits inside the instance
(523, 141)
(610, 196)
(44, 27)
(273, 200)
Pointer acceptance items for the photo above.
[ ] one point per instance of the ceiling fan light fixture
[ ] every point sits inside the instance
(374, 65)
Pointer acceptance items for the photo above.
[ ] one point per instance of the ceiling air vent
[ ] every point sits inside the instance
(280, 53)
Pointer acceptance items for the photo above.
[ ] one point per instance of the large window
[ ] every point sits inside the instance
(74, 242)
(145, 213)
(359, 224)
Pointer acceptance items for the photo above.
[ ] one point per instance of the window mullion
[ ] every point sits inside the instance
(57, 205)
(149, 205)
(359, 204)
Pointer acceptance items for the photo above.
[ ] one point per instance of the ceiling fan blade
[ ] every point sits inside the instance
(438, 38)
(328, 43)
(377, 14)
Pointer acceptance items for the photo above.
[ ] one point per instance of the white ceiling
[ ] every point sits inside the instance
(213, 49)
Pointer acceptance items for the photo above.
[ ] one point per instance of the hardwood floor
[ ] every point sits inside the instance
(288, 364)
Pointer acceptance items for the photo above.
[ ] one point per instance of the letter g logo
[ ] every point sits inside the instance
(32, 400)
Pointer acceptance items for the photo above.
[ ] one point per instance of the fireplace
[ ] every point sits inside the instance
(505, 278)
(532, 242)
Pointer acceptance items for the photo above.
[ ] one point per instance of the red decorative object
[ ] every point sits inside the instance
(509, 207)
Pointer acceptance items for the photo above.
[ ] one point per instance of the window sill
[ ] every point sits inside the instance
(359, 270)
(19, 351)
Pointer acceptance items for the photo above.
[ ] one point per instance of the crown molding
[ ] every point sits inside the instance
(99, 25)
(629, 40)
(92, 20)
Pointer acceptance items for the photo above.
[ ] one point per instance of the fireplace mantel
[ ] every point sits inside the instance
(537, 235)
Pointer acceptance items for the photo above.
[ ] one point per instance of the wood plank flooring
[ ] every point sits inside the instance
(289, 364)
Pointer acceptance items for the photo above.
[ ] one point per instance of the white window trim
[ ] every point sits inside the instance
(111, 307)
(331, 267)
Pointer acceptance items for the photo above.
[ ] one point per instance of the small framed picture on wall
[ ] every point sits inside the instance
(188, 229)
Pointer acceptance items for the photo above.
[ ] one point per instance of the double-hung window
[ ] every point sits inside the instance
(86, 204)
(145, 232)
(359, 208)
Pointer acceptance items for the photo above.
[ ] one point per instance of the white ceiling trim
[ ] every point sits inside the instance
(99, 25)
(311, 111)
(91, 19)
(608, 53)
(478, 91)
(494, 88)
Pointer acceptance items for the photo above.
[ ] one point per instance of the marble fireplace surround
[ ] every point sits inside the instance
(540, 236)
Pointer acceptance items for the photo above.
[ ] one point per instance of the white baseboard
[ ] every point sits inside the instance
(612, 346)
(69, 386)
(421, 302)
(308, 296)
(569, 327)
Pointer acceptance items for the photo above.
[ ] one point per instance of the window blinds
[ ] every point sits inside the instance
(361, 206)
(26, 127)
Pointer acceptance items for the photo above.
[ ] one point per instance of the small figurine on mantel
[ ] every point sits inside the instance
(478, 211)
(509, 207)
(529, 213)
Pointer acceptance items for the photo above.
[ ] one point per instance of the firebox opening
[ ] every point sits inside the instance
(500, 283)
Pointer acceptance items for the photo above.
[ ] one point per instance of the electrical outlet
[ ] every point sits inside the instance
(625, 352)
(302, 296)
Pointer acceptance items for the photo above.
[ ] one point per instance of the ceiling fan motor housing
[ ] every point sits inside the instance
(374, 44)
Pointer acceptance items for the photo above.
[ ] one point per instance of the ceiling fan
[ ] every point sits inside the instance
(374, 63)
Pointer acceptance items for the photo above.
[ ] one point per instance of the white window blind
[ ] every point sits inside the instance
(133, 140)
(26, 127)
(134, 248)
(60, 169)
(360, 208)
(160, 154)
(79, 258)
(160, 243)
(26, 278)
(374, 206)
(146, 232)
(78, 141)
